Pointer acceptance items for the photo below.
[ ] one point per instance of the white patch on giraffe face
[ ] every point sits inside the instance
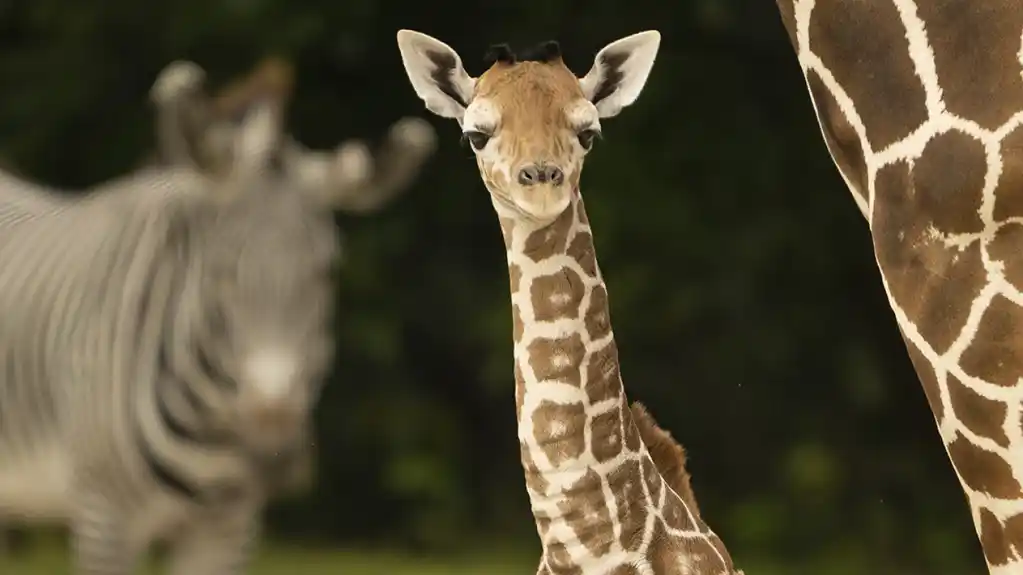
(271, 372)
(582, 115)
(482, 115)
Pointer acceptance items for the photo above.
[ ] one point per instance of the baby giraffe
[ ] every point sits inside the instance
(607, 487)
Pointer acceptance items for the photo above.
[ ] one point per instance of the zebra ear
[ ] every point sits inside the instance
(182, 114)
(352, 179)
(258, 137)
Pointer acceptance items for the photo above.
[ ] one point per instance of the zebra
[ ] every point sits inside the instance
(164, 337)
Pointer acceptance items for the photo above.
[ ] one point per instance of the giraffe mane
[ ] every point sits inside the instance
(667, 454)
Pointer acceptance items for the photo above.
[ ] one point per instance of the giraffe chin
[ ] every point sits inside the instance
(544, 203)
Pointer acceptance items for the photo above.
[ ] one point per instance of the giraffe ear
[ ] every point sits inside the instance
(436, 73)
(620, 71)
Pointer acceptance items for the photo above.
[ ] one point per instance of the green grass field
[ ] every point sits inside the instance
(48, 558)
(53, 560)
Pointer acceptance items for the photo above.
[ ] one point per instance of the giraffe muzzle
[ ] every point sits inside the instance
(541, 174)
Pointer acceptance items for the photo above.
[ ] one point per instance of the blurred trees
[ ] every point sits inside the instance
(749, 310)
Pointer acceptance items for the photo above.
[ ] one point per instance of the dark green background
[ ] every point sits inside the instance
(744, 292)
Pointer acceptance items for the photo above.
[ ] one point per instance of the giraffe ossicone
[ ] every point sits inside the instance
(608, 488)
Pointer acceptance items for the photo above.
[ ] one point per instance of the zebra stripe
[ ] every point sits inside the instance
(123, 411)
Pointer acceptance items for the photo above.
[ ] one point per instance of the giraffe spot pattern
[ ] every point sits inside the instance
(864, 46)
(992, 539)
(681, 557)
(543, 522)
(535, 481)
(626, 482)
(975, 56)
(948, 181)
(581, 250)
(675, 514)
(557, 296)
(517, 326)
(984, 417)
(557, 359)
(559, 430)
(1009, 191)
(994, 355)
(928, 379)
(559, 561)
(1012, 531)
(933, 283)
(633, 440)
(598, 314)
(652, 478)
(551, 239)
(603, 381)
(839, 136)
(588, 515)
(1004, 248)
(606, 435)
(982, 470)
(980, 80)
(514, 277)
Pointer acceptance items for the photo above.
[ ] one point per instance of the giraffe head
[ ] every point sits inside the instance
(529, 119)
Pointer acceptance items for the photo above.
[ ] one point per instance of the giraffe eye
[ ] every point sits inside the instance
(587, 136)
(477, 139)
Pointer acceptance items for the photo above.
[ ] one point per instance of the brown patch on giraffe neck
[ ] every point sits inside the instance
(558, 431)
(1009, 191)
(928, 379)
(864, 46)
(839, 136)
(983, 416)
(588, 514)
(1005, 249)
(948, 183)
(980, 80)
(934, 283)
(984, 471)
(1001, 541)
(630, 502)
(996, 352)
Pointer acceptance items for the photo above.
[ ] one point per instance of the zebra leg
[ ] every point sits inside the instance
(219, 542)
(101, 540)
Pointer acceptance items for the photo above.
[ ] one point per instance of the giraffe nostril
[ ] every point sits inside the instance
(555, 175)
(529, 175)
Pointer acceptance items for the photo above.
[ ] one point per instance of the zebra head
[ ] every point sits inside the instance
(268, 248)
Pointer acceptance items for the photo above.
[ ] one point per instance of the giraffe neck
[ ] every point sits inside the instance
(920, 105)
(598, 499)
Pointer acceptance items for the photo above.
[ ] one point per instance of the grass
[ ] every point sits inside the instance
(53, 560)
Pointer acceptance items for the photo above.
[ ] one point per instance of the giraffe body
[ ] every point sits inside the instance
(921, 107)
(601, 503)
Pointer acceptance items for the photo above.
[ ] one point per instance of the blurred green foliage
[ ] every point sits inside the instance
(749, 311)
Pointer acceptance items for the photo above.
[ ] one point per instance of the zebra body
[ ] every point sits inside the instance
(88, 289)
(162, 338)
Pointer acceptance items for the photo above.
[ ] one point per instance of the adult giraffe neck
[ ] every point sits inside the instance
(598, 499)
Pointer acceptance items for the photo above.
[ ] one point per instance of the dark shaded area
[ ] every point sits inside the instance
(746, 298)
